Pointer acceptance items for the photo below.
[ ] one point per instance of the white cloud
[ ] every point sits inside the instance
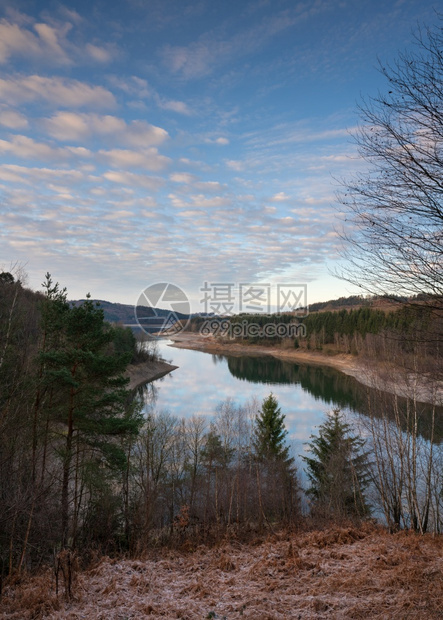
(100, 54)
(68, 126)
(340, 159)
(190, 213)
(200, 200)
(43, 174)
(175, 106)
(201, 57)
(59, 189)
(140, 133)
(22, 36)
(134, 86)
(27, 148)
(177, 202)
(70, 14)
(49, 36)
(73, 126)
(236, 165)
(220, 141)
(13, 119)
(182, 177)
(280, 197)
(325, 200)
(296, 133)
(57, 91)
(140, 89)
(9, 175)
(122, 214)
(209, 186)
(148, 159)
(134, 180)
(79, 151)
(115, 202)
(15, 40)
(193, 61)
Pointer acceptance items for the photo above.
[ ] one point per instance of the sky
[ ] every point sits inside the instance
(196, 143)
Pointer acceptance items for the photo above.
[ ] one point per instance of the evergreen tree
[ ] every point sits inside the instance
(89, 400)
(6, 278)
(270, 433)
(337, 469)
(275, 471)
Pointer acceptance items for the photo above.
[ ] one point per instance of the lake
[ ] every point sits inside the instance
(305, 393)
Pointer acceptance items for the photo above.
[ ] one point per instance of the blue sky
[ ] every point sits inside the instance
(185, 141)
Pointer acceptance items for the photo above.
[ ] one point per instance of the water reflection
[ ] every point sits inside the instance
(323, 383)
(305, 393)
(336, 389)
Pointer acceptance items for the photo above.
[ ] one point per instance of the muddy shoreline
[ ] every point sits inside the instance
(139, 374)
(348, 364)
(378, 375)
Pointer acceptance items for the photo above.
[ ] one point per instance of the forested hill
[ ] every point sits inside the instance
(124, 313)
(357, 301)
(114, 312)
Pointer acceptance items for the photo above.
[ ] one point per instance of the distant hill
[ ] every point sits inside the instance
(126, 314)
(354, 302)
(114, 313)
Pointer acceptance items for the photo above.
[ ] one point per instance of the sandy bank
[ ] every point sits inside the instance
(143, 373)
(377, 375)
(347, 364)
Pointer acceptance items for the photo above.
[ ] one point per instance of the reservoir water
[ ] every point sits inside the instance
(305, 393)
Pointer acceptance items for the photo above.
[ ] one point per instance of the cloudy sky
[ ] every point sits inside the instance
(184, 141)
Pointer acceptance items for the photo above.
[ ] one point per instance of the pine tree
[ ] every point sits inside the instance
(337, 469)
(270, 433)
(275, 471)
(89, 401)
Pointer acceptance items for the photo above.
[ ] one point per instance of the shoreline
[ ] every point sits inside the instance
(139, 374)
(347, 364)
(380, 375)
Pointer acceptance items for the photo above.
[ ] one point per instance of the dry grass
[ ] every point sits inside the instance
(335, 573)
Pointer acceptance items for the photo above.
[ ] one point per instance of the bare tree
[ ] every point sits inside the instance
(406, 455)
(195, 429)
(395, 208)
(151, 466)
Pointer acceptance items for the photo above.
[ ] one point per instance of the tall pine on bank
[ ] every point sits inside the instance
(88, 404)
(338, 470)
(276, 474)
(270, 433)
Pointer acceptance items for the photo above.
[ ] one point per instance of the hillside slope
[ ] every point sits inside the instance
(338, 572)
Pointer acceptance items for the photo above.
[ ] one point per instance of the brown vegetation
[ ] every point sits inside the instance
(337, 572)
